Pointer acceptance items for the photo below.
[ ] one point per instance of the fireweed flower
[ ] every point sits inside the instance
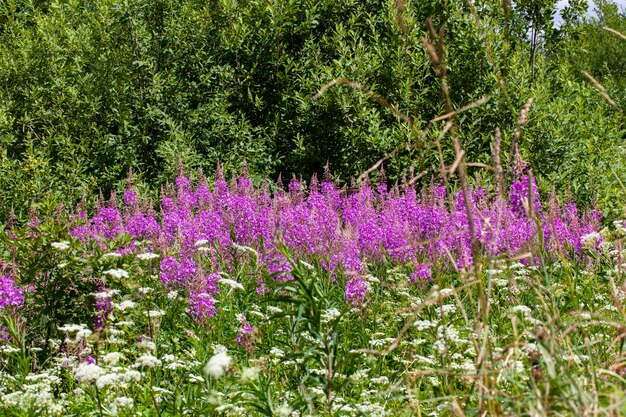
(519, 196)
(10, 294)
(422, 273)
(103, 310)
(341, 231)
(177, 273)
(245, 336)
(201, 306)
(356, 289)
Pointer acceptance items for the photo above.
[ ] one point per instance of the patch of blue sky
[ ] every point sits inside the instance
(591, 11)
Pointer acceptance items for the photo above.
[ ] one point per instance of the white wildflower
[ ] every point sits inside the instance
(273, 309)
(447, 309)
(499, 282)
(359, 375)
(449, 333)
(112, 358)
(307, 265)
(245, 249)
(219, 349)
(195, 378)
(381, 342)
(217, 365)
(155, 313)
(231, 283)
(424, 324)
(126, 304)
(277, 352)
(284, 411)
(589, 240)
(111, 255)
(130, 375)
(148, 361)
(145, 290)
(88, 372)
(434, 381)
(201, 242)
(147, 256)
(445, 292)
(250, 374)
(115, 340)
(82, 334)
(172, 366)
(123, 403)
(172, 295)
(116, 273)
(106, 294)
(146, 344)
(70, 328)
(107, 380)
(380, 380)
(258, 314)
(372, 278)
(440, 347)
(6, 348)
(60, 246)
(425, 360)
(330, 314)
(524, 310)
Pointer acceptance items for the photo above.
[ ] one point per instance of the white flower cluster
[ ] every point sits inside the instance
(231, 283)
(36, 395)
(126, 304)
(590, 240)
(116, 273)
(60, 246)
(217, 365)
(148, 256)
(330, 315)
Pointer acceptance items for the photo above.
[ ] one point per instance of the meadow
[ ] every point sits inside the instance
(314, 300)
(168, 248)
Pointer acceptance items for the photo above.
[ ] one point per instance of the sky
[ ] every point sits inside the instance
(563, 3)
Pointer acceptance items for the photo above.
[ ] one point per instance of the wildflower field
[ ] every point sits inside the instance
(314, 300)
(167, 247)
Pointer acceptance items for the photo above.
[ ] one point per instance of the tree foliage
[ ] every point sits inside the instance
(89, 90)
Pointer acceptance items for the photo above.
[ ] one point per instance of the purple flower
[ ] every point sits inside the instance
(177, 273)
(10, 294)
(519, 196)
(201, 306)
(103, 310)
(422, 273)
(356, 289)
(244, 338)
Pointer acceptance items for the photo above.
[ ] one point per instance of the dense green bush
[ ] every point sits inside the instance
(91, 90)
